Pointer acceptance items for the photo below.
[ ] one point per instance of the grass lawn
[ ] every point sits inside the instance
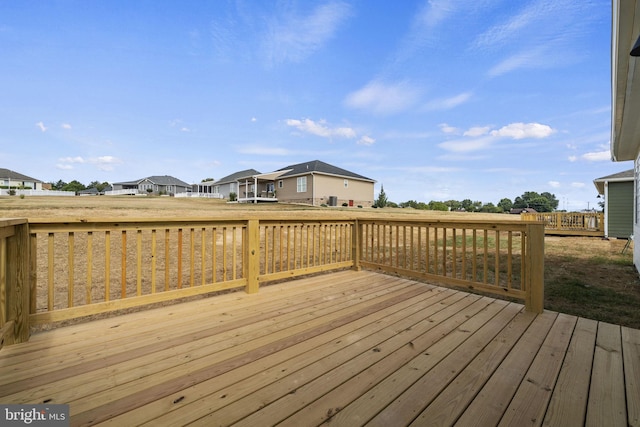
(584, 276)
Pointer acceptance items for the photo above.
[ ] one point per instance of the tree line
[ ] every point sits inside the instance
(77, 186)
(543, 202)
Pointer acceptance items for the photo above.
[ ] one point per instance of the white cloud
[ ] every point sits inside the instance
(381, 98)
(263, 151)
(597, 156)
(105, 163)
(578, 184)
(366, 140)
(76, 159)
(253, 120)
(448, 129)
(478, 138)
(477, 131)
(572, 158)
(66, 126)
(448, 103)
(554, 184)
(524, 130)
(321, 129)
(41, 126)
(185, 129)
(520, 60)
(464, 145)
(292, 38)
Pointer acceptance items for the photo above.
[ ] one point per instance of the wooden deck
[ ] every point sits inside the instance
(346, 349)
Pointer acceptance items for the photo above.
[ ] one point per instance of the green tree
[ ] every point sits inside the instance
(467, 205)
(438, 206)
(505, 204)
(454, 205)
(545, 202)
(58, 185)
(490, 208)
(382, 200)
(74, 186)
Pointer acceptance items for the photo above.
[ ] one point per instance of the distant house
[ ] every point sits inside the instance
(162, 184)
(617, 190)
(318, 183)
(13, 180)
(231, 183)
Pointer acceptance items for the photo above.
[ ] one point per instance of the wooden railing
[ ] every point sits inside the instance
(569, 223)
(15, 266)
(503, 259)
(82, 268)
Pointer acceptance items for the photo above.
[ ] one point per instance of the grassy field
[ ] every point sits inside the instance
(588, 277)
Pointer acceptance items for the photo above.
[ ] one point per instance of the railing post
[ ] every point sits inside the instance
(356, 241)
(18, 284)
(535, 268)
(252, 256)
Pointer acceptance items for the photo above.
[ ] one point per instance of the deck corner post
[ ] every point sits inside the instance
(252, 256)
(356, 239)
(535, 268)
(18, 282)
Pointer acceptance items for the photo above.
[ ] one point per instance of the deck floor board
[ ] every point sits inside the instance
(343, 349)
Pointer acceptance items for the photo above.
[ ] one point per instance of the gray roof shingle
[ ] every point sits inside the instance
(318, 166)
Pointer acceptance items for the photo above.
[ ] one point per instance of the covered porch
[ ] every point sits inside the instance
(259, 188)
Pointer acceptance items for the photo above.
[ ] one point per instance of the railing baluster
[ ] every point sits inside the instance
(179, 258)
(192, 255)
(167, 244)
(154, 258)
(50, 272)
(123, 265)
(203, 256)
(107, 265)
(89, 267)
(497, 261)
(463, 273)
(485, 263)
(234, 259)
(71, 258)
(139, 263)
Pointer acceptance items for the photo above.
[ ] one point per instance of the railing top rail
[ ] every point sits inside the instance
(7, 222)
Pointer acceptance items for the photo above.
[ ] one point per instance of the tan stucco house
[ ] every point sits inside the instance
(313, 183)
(318, 183)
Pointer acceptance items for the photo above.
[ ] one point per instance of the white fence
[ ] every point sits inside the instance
(5, 192)
(196, 194)
(128, 191)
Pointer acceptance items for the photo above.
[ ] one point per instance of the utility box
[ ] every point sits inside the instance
(333, 201)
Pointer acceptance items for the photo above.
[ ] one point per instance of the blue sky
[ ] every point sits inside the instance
(435, 100)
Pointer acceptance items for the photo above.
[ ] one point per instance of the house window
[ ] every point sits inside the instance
(280, 184)
(302, 184)
(232, 187)
(346, 183)
(216, 189)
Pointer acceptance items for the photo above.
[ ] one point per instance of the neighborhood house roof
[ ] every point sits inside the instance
(320, 167)
(616, 177)
(158, 180)
(15, 176)
(238, 175)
